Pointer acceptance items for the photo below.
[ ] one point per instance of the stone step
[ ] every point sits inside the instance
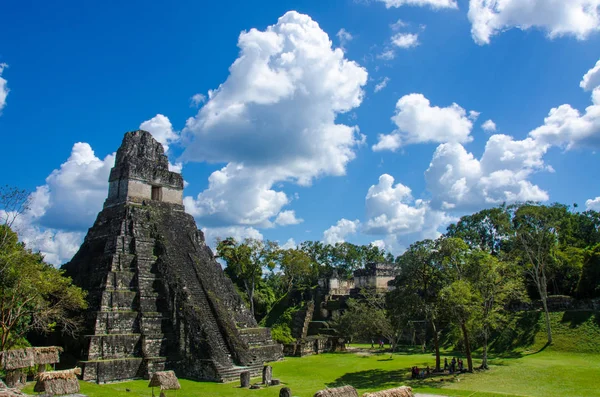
(103, 371)
(115, 322)
(119, 300)
(114, 346)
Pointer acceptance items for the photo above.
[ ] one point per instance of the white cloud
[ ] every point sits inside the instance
(382, 84)
(593, 204)
(338, 232)
(460, 182)
(197, 100)
(288, 217)
(239, 233)
(387, 55)
(565, 126)
(237, 195)
(418, 122)
(161, 129)
(405, 40)
(399, 24)
(591, 79)
(578, 18)
(62, 209)
(489, 126)
(74, 194)
(389, 209)
(290, 244)
(473, 115)
(3, 87)
(344, 37)
(279, 105)
(392, 212)
(435, 4)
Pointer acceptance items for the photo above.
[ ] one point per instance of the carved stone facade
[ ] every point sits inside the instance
(157, 297)
(333, 292)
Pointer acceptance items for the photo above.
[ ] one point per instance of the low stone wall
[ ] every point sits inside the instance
(559, 304)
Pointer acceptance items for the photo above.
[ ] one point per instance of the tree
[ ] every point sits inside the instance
(13, 203)
(589, 283)
(34, 296)
(298, 268)
(367, 318)
(416, 289)
(494, 284)
(537, 237)
(246, 261)
(487, 230)
(461, 303)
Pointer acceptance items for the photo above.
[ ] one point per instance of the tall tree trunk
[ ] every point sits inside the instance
(484, 363)
(547, 314)
(436, 342)
(463, 326)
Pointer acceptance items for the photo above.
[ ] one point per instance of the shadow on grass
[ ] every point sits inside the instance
(382, 379)
(517, 335)
(575, 319)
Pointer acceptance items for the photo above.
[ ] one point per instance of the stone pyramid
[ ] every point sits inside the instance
(157, 297)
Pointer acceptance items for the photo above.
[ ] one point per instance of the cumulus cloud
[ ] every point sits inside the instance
(289, 244)
(593, 204)
(61, 210)
(566, 126)
(578, 18)
(392, 211)
(489, 126)
(161, 129)
(3, 87)
(389, 209)
(75, 192)
(419, 122)
(288, 217)
(239, 233)
(382, 84)
(405, 40)
(338, 232)
(460, 182)
(279, 105)
(434, 4)
(591, 79)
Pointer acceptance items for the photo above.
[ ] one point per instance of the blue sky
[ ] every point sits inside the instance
(363, 121)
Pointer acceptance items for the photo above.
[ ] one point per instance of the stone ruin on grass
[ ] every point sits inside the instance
(157, 298)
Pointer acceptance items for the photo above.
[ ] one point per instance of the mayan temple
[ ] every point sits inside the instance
(157, 297)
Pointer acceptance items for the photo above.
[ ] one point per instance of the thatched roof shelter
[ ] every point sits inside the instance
(29, 356)
(47, 354)
(17, 358)
(166, 380)
(403, 391)
(344, 391)
(58, 382)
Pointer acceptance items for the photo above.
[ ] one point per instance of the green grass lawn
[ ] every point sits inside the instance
(521, 366)
(541, 374)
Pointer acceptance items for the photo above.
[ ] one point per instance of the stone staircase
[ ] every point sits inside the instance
(130, 337)
(302, 320)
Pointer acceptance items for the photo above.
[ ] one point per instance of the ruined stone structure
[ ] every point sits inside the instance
(334, 291)
(157, 297)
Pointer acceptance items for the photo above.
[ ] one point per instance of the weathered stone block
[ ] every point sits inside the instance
(267, 375)
(245, 379)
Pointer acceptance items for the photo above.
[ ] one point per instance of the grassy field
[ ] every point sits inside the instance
(528, 369)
